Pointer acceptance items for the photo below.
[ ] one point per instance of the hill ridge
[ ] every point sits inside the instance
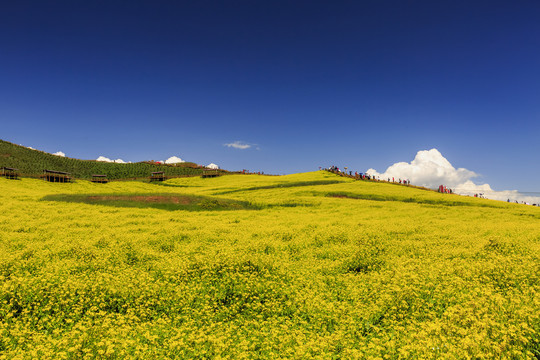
(32, 162)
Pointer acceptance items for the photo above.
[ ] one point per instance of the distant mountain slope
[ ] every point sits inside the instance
(32, 163)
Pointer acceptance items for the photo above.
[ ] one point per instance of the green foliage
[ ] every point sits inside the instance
(443, 199)
(162, 201)
(283, 185)
(33, 162)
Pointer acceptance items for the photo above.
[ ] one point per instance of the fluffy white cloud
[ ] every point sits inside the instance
(470, 188)
(59, 153)
(106, 159)
(174, 160)
(430, 169)
(238, 145)
(103, 158)
(212, 166)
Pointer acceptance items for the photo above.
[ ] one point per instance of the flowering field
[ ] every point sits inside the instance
(243, 266)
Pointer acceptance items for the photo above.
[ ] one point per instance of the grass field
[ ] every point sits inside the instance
(246, 267)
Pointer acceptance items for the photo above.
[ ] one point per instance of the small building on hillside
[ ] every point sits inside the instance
(10, 173)
(209, 173)
(56, 176)
(158, 176)
(99, 179)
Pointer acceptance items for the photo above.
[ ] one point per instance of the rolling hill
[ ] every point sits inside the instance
(32, 162)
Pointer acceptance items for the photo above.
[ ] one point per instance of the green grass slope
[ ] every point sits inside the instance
(32, 163)
(303, 266)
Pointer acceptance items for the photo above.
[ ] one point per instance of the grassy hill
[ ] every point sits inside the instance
(301, 266)
(32, 163)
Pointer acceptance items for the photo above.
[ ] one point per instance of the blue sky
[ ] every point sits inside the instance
(363, 84)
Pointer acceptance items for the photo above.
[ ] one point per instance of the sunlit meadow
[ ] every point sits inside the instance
(245, 267)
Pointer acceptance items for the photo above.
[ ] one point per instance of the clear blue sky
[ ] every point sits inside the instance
(306, 83)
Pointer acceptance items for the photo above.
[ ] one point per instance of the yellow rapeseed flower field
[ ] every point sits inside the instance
(304, 266)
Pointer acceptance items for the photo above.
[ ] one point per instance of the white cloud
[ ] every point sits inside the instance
(106, 159)
(431, 169)
(103, 158)
(174, 160)
(59, 153)
(212, 166)
(470, 188)
(238, 145)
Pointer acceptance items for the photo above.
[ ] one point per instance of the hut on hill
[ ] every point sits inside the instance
(158, 176)
(10, 173)
(100, 179)
(56, 176)
(209, 173)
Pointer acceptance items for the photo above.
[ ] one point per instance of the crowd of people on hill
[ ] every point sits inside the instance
(523, 202)
(364, 176)
(245, 171)
(445, 190)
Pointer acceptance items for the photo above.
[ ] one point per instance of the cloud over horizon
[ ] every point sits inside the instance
(431, 169)
(59, 153)
(106, 159)
(238, 145)
(103, 158)
(174, 160)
